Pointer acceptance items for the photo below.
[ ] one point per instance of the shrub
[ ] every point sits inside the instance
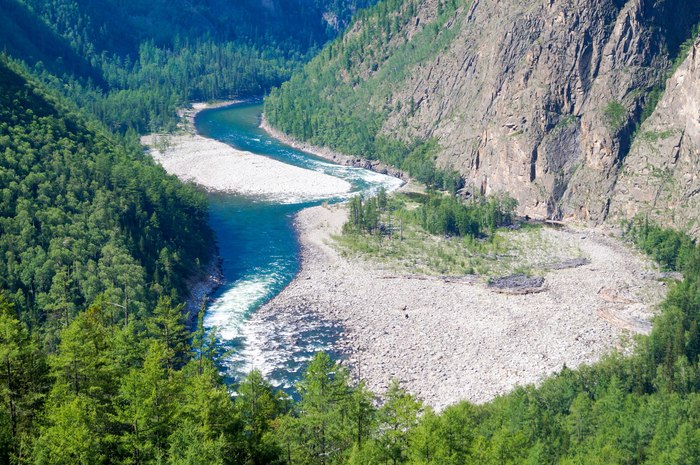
(615, 115)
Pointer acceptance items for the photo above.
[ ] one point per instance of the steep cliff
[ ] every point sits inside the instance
(544, 103)
(540, 99)
(661, 175)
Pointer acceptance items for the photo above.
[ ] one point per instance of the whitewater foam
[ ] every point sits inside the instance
(227, 314)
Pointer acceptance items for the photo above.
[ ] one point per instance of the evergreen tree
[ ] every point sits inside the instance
(22, 383)
(258, 405)
(148, 399)
(397, 417)
(167, 326)
(71, 436)
(320, 429)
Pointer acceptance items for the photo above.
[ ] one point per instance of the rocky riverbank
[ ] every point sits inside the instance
(448, 339)
(332, 155)
(202, 286)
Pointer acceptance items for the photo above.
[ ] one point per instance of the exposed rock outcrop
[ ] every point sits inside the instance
(540, 98)
(661, 175)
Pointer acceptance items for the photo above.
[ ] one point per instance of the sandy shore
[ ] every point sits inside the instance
(219, 167)
(449, 339)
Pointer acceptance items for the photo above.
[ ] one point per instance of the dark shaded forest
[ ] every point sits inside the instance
(132, 64)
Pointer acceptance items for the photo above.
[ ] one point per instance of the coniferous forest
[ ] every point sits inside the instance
(132, 64)
(100, 365)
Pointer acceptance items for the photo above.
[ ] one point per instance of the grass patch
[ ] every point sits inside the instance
(408, 248)
(655, 136)
(564, 123)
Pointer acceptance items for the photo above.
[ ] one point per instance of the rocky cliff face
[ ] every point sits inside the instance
(661, 175)
(540, 98)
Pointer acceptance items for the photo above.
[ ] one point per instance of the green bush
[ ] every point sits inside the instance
(437, 214)
(615, 115)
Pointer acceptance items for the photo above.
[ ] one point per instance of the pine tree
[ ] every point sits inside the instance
(258, 405)
(320, 432)
(167, 326)
(147, 406)
(397, 417)
(71, 435)
(22, 382)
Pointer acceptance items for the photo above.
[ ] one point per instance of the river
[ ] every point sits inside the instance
(260, 252)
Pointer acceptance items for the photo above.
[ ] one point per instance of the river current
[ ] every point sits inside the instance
(260, 252)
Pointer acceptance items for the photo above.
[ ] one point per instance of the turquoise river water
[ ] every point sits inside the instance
(260, 252)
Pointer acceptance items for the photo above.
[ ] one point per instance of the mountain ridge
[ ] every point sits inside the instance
(542, 100)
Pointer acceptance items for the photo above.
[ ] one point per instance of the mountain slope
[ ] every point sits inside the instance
(25, 35)
(540, 99)
(121, 26)
(84, 217)
(132, 64)
(660, 175)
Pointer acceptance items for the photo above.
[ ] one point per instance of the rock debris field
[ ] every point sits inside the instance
(448, 339)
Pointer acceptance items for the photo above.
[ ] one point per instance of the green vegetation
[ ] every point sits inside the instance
(675, 251)
(564, 123)
(97, 363)
(654, 136)
(448, 216)
(83, 382)
(655, 95)
(437, 234)
(653, 98)
(96, 240)
(684, 48)
(615, 115)
(133, 64)
(641, 409)
(84, 218)
(437, 213)
(342, 97)
(144, 96)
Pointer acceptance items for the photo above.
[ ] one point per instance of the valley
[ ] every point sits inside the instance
(256, 185)
(404, 232)
(465, 340)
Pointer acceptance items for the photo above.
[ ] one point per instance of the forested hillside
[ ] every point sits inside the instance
(91, 229)
(132, 64)
(85, 217)
(341, 99)
(540, 99)
(95, 241)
